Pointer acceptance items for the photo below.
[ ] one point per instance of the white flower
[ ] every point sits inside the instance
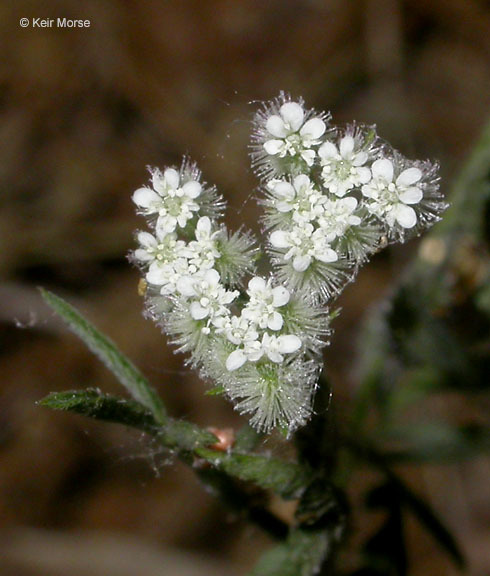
(202, 252)
(264, 299)
(338, 216)
(391, 200)
(165, 275)
(209, 297)
(343, 166)
(301, 198)
(172, 202)
(239, 330)
(293, 136)
(160, 248)
(304, 244)
(274, 347)
(166, 258)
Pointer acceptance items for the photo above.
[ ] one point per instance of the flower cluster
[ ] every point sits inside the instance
(335, 196)
(243, 337)
(331, 196)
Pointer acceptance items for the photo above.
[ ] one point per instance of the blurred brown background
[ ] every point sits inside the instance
(82, 114)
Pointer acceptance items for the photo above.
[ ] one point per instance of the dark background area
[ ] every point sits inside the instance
(82, 113)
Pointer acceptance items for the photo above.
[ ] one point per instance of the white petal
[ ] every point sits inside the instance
(255, 354)
(197, 311)
(275, 322)
(289, 343)
(192, 189)
(204, 224)
(249, 314)
(275, 356)
(166, 225)
(412, 195)
(142, 255)
(158, 181)
(280, 296)
(359, 159)
(409, 177)
(368, 191)
(279, 239)
(308, 156)
(273, 147)
(313, 129)
(330, 236)
(229, 296)
(275, 126)
(267, 339)
(350, 202)
(405, 216)
(301, 181)
(145, 197)
(237, 340)
(235, 360)
(157, 276)
(346, 146)
(172, 178)
(256, 284)
(293, 114)
(301, 263)
(147, 240)
(212, 277)
(327, 255)
(282, 206)
(327, 150)
(340, 188)
(383, 168)
(185, 285)
(182, 219)
(364, 174)
(284, 190)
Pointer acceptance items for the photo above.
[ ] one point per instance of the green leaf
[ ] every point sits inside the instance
(428, 518)
(322, 517)
(386, 549)
(215, 391)
(302, 554)
(174, 434)
(317, 442)
(124, 370)
(287, 479)
(437, 442)
(470, 193)
(94, 404)
(421, 509)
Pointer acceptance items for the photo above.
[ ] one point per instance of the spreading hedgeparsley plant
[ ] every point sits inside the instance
(331, 197)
